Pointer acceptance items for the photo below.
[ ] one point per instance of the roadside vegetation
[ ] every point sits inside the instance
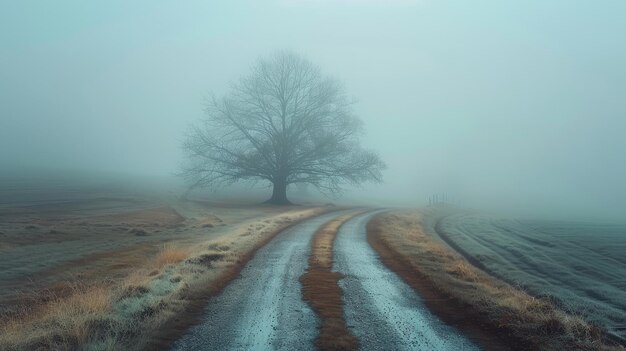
(495, 314)
(149, 306)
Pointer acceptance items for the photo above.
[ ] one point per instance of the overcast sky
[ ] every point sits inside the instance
(516, 104)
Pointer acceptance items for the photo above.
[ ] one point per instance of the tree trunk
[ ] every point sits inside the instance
(279, 193)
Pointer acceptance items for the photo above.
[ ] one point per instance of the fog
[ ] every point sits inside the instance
(511, 106)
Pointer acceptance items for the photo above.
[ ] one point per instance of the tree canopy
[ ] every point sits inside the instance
(283, 123)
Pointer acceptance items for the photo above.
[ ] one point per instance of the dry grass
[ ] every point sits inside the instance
(136, 283)
(131, 312)
(526, 321)
(61, 323)
(92, 318)
(171, 254)
(320, 289)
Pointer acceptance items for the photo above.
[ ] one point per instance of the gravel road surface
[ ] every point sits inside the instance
(263, 308)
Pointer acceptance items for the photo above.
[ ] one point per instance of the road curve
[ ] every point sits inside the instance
(263, 308)
(381, 310)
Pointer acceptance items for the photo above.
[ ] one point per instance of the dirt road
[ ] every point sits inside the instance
(263, 309)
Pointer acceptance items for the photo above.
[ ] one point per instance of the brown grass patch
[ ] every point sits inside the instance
(494, 314)
(136, 284)
(320, 289)
(171, 254)
(61, 323)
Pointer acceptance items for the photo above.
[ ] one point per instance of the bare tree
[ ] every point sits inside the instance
(284, 123)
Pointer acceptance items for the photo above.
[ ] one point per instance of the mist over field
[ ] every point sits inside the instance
(506, 106)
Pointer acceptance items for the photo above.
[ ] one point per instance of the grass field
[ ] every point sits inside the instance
(581, 267)
(118, 271)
